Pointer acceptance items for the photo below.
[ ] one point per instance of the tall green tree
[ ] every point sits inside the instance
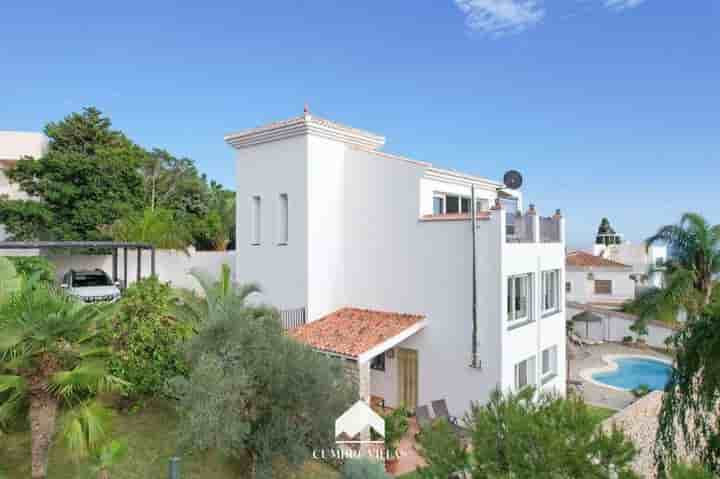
(89, 177)
(50, 362)
(255, 394)
(174, 184)
(158, 227)
(519, 435)
(219, 225)
(690, 403)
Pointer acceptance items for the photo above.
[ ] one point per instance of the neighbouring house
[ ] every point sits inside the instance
(373, 258)
(647, 261)
(15, 145)
(593, 279)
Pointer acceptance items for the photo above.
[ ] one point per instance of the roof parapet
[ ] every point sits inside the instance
(306, 124)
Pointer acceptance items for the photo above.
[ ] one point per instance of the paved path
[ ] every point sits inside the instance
(591, 357)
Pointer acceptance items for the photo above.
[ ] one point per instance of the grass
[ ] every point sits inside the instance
(149, 434)
(600, 413)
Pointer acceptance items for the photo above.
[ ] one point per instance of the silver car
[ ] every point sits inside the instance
(91, 286)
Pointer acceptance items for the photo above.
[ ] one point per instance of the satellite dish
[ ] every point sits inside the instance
(513, 179)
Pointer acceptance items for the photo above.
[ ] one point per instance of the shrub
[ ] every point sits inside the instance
(29, 265)
(627, 339)
(396, 426)
(443, 451)
(640, 391)
(685, 471)
(147, 339)
(363, 468)
(522, 435)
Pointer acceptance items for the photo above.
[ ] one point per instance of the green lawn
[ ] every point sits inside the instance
(600, 413)
(149, 434)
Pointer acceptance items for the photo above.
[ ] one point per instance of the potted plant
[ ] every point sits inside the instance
(396, 426)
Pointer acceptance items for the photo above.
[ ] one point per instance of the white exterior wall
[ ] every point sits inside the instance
(642, 259)
(366, 246)
(583, 289)
(268, 170)
(615, 326)
(15, 145)
(170, 266)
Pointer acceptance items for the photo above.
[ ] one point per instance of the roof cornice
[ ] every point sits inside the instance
(461, 178)
(304, 125)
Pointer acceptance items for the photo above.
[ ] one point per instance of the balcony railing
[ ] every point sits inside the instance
(521, 228)
(292, 318)
(549, 230)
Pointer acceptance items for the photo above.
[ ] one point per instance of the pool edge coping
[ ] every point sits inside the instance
(611, 365)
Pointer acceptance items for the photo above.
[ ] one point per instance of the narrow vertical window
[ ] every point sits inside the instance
(255, 225)
(283, 226)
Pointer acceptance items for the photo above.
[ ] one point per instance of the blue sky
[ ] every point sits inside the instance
(608, 107)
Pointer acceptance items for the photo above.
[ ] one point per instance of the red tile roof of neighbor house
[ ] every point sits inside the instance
(352, 331)
(581, 259)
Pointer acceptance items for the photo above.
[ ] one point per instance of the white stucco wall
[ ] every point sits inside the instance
(367, 247)
(171, 266)
(15, 145)
(583, 289)
(269, 170)
(616, 325)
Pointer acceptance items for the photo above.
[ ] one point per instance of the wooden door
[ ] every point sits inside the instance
(408, 378)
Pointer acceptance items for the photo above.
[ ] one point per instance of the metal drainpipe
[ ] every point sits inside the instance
(473, 209)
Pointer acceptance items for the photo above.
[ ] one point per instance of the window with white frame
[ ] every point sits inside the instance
(438, 204)
(549, 362)
(452, 204)
(255, 224)
(550, 294)
(445, 203)
(283, 227)
(525, 373)
(518, 300)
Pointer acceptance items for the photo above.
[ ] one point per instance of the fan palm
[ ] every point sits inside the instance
(50, 361)
(195, 308)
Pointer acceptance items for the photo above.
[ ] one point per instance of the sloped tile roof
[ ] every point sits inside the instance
(352, 331)
(581, 259)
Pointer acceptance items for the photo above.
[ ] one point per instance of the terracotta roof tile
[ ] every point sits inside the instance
(352, 331)
(581, 259)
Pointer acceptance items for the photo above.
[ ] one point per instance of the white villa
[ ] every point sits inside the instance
(15, 145)
(376, 259)
(595, 280)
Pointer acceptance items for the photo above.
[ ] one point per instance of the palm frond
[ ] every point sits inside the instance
(11, 407)
(86, 428)
(11, 382)
(10, 281)
(89, 377)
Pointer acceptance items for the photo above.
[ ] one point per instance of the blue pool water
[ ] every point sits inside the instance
(632, 372)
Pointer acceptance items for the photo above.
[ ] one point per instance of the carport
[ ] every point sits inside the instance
(113, 246)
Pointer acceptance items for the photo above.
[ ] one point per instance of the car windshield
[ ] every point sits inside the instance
(83, 280)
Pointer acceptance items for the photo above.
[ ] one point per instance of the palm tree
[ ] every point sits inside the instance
(50, 361)
(195, 308)
(155, 226)
(221, 217)
(695, 245)
(108, 457)
(689, 282)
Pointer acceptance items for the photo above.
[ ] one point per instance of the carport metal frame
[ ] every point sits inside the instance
(115, 246)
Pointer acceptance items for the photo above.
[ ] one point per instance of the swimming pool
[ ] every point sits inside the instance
(632, 372)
